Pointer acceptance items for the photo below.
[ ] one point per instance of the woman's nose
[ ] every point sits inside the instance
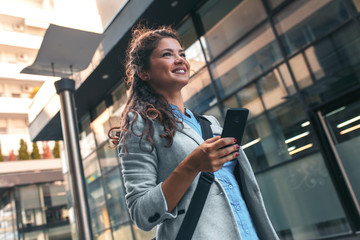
(179, 59)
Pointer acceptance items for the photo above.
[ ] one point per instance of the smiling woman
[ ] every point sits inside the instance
(163, 153)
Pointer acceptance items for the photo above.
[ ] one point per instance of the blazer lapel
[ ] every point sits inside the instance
(191, 133)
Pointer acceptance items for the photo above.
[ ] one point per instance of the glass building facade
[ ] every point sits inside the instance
(36, 211)
(296, 66)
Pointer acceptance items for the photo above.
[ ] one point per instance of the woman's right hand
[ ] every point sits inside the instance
(212, 154)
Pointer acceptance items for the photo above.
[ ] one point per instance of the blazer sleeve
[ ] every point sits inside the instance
(144, 197)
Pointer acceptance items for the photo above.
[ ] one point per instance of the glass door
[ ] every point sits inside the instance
(342, 128)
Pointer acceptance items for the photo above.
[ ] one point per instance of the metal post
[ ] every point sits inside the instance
(65, 88)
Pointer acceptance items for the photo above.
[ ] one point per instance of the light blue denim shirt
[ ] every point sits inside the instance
(227, 179)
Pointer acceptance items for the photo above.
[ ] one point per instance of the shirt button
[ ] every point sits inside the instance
(238, 208)
(247, 231)
(230, 186)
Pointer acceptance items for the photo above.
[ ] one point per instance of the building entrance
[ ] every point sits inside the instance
(341, 124)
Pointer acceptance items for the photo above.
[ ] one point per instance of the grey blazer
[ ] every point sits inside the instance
(145, 170)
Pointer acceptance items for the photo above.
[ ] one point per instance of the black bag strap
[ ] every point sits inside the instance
(196, 206)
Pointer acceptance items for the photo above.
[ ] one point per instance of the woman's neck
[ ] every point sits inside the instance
(178, 102)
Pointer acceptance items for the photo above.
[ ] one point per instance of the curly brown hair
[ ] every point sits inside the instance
(143, 100)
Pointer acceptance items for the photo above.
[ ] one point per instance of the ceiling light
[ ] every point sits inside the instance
(297, 137)
(174, 3)
(348, 122)
(251, 143)
(350, 129)
(105, 76)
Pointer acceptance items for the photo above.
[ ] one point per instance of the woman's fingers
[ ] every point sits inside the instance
(222, 142)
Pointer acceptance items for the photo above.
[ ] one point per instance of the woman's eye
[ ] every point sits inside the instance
(183, 55)
(166, 54)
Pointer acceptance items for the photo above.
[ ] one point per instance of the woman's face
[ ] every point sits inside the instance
(169, 69)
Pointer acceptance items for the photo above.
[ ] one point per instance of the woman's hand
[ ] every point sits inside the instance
(212, 154)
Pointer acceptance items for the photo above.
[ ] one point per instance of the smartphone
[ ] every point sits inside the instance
(235, 122)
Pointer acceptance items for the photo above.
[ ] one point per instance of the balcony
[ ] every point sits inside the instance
(14, 106)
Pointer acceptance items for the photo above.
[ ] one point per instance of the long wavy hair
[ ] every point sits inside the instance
(143, 100)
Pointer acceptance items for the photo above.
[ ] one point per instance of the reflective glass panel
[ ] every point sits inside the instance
(139, 234)
(91, 168)
(30, 209)
(86, 137)
(304, 21)
(124, 232)
(213, 11)
(59, 233)
(215, 111)
(273, 136)
(107, 157)
(252, 57)
(100, 126)
(187, 33)
(8, 228)
(334, 65)
(199, 94)
(55, 200)
(301, 200)
(105, 235)
(274, 3)
(98, 211)
(236, 23)
(343, 124)
(115, 196)
(195, 57)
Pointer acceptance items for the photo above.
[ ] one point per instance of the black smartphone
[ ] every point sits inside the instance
(235, 122)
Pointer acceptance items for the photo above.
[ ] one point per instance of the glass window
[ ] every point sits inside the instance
(91, 168)
(274, 3)
(233, 20)
(55, 200)
(301, 200)
(252, 57)
(115, 196)
(124, 232)
(215, 111)
(272, 90)
(107, 158)
(213, 11)
(139, 234)
(195, 57)
(343, 124)
(62, 232)
(301, 71)
(105, 235)
(100, 126)
(199, 94)
(119, 98)
(248, 98)
(8, 228)
(334, 64)
(30, 206)
(98, 211)
(273, 136)
(187, 33)
(356, 4)
(304, 21)
(86, 137)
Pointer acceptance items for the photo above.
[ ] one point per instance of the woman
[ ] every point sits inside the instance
(162, 151)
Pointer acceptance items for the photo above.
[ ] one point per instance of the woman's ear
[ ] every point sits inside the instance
(144, 76)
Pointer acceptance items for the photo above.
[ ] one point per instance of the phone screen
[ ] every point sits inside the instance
(235, 122)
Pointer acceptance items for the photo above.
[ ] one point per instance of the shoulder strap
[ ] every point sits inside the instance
(196, 206)
(205, 126)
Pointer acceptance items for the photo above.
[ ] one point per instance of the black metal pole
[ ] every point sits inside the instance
(65, 88)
